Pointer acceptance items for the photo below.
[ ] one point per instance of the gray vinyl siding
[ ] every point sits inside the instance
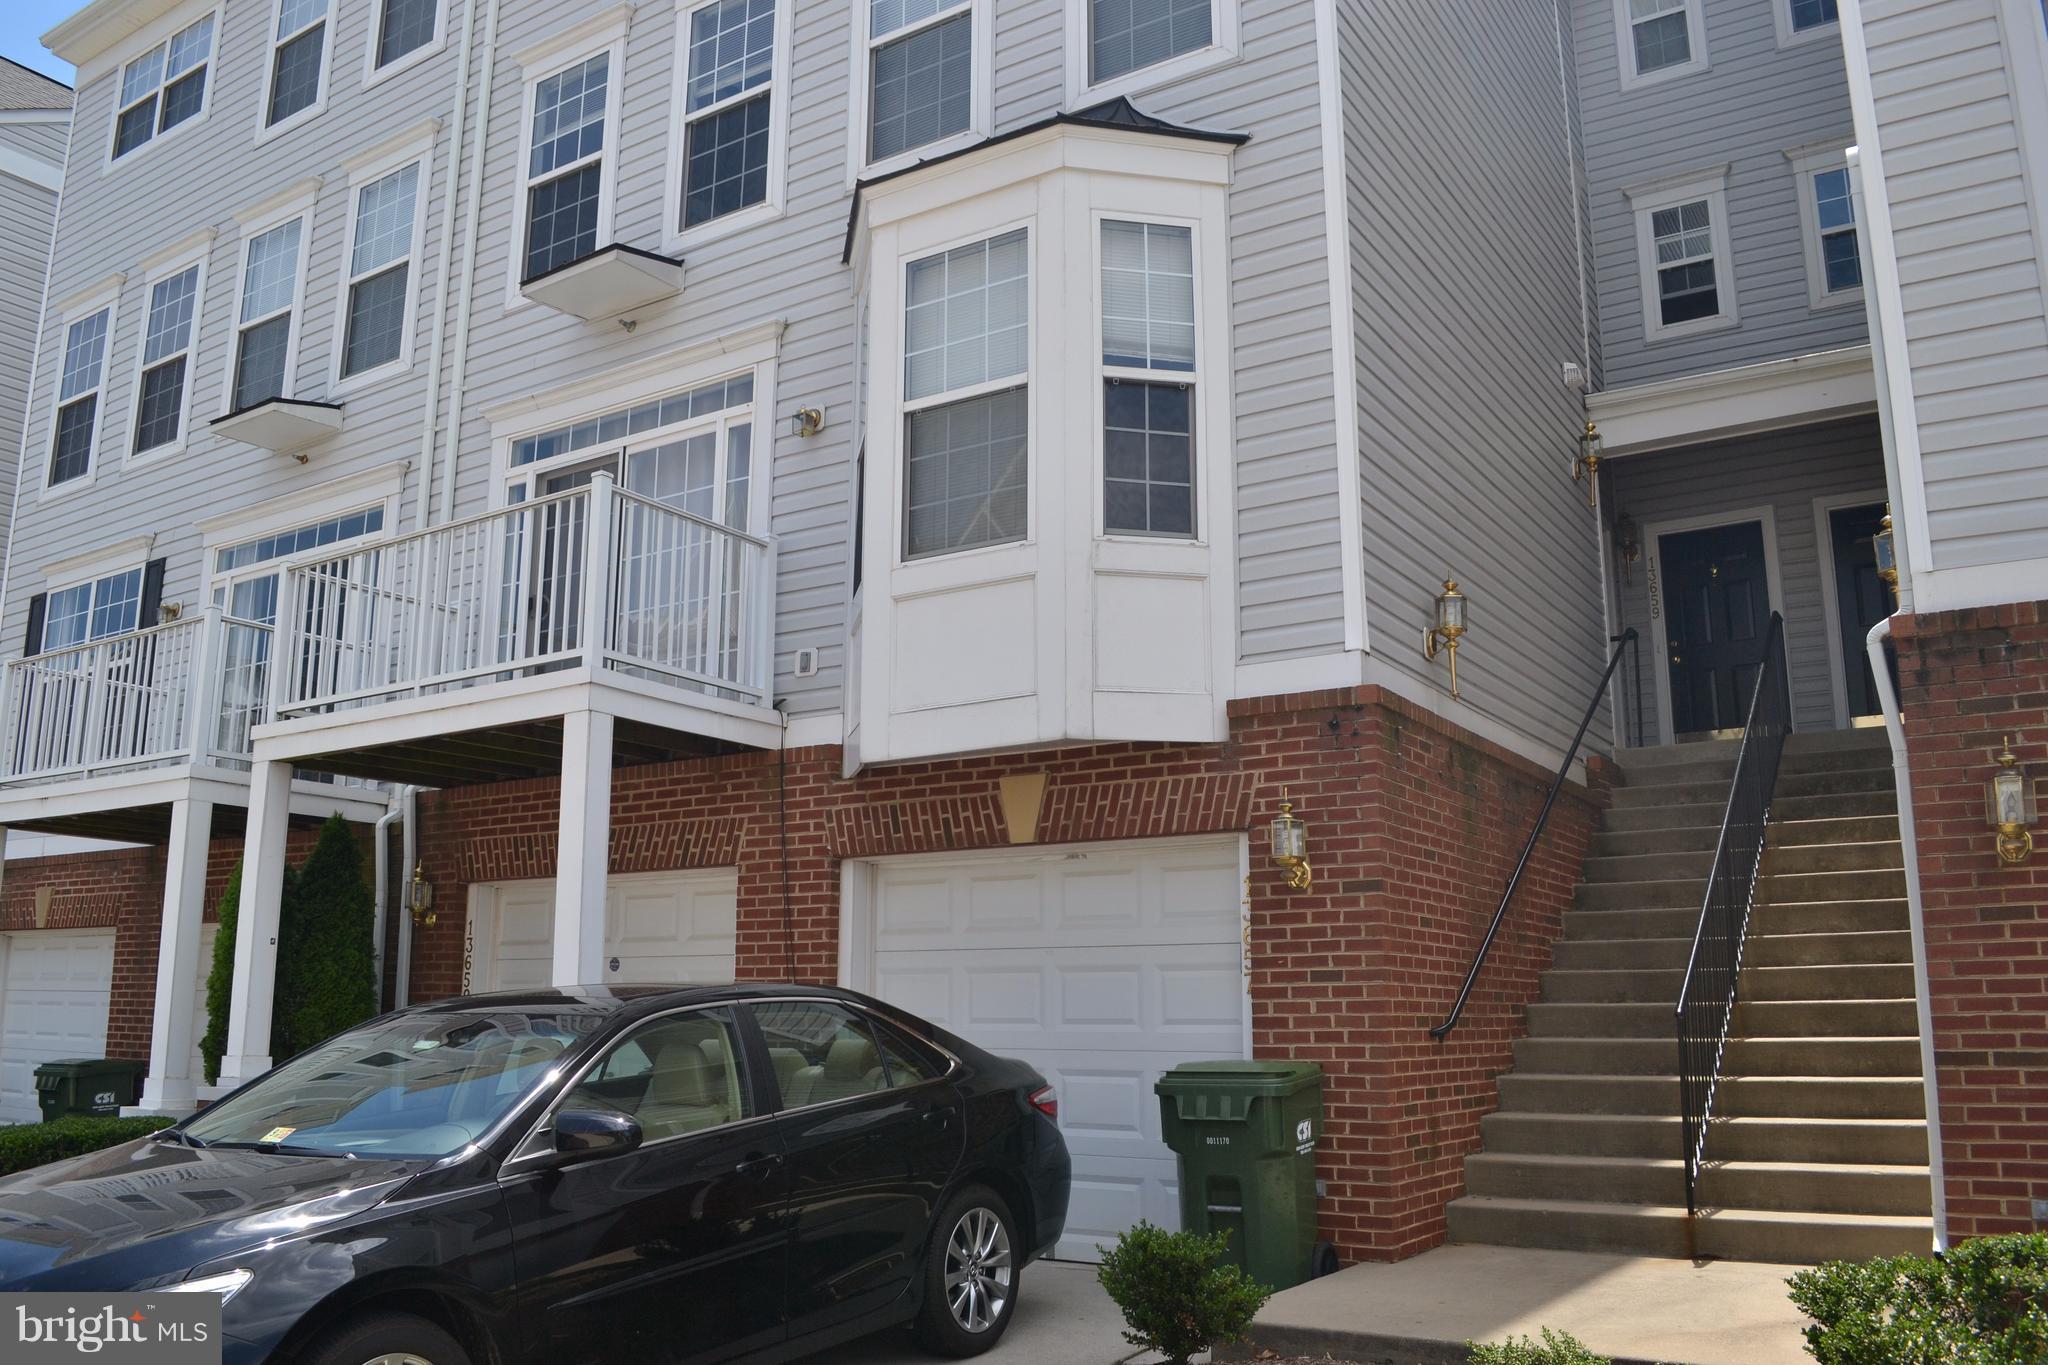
(1971, 274)
(27, 215)
(1785, 471)
(199, 177)
(1285, 401)
(1755, 102)
(1464, 310)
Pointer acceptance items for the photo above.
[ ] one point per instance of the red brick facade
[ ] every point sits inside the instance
(1967, 679)
(1414, 826)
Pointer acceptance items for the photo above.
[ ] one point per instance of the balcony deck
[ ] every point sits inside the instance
(451, 655)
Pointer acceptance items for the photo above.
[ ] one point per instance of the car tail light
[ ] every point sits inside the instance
(1046, 1100)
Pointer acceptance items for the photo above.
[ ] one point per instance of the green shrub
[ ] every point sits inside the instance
(1984, 1303)
(220, 978)
(28, 1145)
(1175, 1298)
(326, 972)
(1556, 1348)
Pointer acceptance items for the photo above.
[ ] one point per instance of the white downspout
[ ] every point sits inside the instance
(382, 898)
(451, 440)
(443, 257)
(401, 989)
(1923, 1006)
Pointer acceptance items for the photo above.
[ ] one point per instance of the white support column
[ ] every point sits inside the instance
(248, 1050)
(174, 1027)
(584, 855)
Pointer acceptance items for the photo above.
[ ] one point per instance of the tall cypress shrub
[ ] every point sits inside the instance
(326, 973)
(220, 978)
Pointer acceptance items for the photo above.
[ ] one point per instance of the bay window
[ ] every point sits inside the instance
(1148, 331)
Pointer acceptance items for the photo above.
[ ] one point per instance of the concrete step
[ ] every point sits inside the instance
(1700, 838)
(1877, 1142)
(1753, 1018)
(1764, 950)
(1653, 985)
(1658, 1056)
(1823, 917)
(1820, 1097)
(1780, 888)
(1869, 855)
(1791, 783)
(1660, 1230)
(1800, 746)
(1695, 865)
(1734, 1185)
(1875, 801)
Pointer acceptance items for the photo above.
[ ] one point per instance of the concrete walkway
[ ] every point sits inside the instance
(1639, 1310)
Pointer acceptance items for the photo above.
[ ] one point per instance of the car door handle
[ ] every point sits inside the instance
(760, 1166)
(936, 1117)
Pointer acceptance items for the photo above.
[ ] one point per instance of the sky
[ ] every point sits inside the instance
(22, 25)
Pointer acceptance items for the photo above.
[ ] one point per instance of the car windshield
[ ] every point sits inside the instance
(418, 1085)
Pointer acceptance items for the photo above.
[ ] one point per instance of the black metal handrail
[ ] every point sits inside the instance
(1706, 998)
(1631, 688)
(1443, 1030)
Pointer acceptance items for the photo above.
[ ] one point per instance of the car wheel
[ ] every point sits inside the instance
(387, 1339)
(971, 1274)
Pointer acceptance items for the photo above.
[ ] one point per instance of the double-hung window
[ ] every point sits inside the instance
(921, 68)
(403, 27)
(91, 611)
(1685, 268)
(728, 108)
(1148, 390)
(163, 87)
(298, 59)
(1126, 35)
(966, 364)
(265, 318)
(80, 385)
(1660, 38)
(382, 244)
(1827, 216)
(565, 164)
(166, 361)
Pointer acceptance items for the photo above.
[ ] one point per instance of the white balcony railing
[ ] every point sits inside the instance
(678, 600)
(184, 692)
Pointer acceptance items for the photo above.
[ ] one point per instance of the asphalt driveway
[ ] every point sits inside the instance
(1063, 1318)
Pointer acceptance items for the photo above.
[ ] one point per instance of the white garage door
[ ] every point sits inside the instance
(659, 927)
(1103, 966)
(53, 1004)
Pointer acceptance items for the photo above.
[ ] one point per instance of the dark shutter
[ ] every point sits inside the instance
(37, 605)
(152, 594)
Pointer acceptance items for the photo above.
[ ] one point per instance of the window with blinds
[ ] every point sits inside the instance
(1148, 333)
(1127, 35)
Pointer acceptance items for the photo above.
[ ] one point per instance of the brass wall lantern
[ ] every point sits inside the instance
(1586, 464)
(1448, 630)
(1631, 537)
(2012, 809)
(1290, 846)
(1887, 551)
(419, 897)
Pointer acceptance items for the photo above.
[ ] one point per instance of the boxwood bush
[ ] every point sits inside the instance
(1985, 1302)
(28, 1145)
(1556, 1348)
(1175, 1296)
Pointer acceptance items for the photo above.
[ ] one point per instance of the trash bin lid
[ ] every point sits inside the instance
(68, 1066)
(1244, 1078)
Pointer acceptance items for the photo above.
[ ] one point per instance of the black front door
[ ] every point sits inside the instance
(1861, 598)
(1717, 611)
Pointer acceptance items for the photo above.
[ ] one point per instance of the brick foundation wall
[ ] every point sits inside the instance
(1966, 680)
(1415, 826)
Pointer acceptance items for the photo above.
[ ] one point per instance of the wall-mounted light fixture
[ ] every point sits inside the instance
(1290, 846)
(807, 422)
(1887, 552)
(2012, 808)
(419, 897)
(1448, 630)
(1631, 537)
(1586, 464)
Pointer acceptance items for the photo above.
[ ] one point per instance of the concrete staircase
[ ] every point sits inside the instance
(1819, 1146)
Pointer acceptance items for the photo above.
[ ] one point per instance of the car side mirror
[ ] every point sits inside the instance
(585, 1134)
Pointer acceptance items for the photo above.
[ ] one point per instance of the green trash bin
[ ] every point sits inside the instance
(1245, 1133)
(87, 1085)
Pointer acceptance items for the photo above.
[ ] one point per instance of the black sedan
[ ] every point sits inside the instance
(617, 1174)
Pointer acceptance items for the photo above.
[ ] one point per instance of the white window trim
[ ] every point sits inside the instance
(298, 202)
(113, 562)
(1225, 47)
(373, 74)
(414, 148)
(1625, 48)
(605, 33)
(981, 104)
(1201, 412)
(164, 268)
(161, 32)
(1644, 201)
(265, 131)
(1807, 162)
(676, 238)
(108, 296)
(1788, 36)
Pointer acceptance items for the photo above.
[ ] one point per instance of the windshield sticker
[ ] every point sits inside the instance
(277, 1135)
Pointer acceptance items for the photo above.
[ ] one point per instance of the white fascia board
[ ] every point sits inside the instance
(47, 175)
(1796, 391)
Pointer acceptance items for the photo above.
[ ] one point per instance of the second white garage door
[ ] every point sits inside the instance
(1104, 966)
(659, 927)
(53, 1004)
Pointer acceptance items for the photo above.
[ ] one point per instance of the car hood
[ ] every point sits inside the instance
(150, 1211)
